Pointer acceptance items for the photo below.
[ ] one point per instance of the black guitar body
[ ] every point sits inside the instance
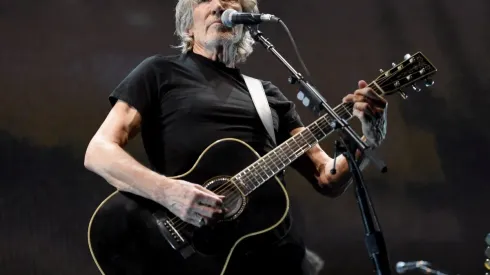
(132, 235)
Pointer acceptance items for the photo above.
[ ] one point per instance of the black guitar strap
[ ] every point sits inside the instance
(259, 98)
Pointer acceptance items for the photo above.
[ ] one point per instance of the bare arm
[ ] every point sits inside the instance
(106, 157)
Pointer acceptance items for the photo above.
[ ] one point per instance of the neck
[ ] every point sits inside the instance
(219, 53)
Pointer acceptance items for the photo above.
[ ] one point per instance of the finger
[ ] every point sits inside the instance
(202, 188)
(375, 108)
(378, 110)
(369, 93)
(361, 106)
(194, 220)
(206, 211)
(361, 109)
(209, 199)
(348, 98)
(362, 84)
(368, 110)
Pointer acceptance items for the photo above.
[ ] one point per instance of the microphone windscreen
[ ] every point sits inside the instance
(226, 17)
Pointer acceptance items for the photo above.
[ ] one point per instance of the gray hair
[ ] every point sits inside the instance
(233, 54)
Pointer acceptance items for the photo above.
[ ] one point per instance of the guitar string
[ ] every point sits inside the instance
(381, 81)
(230, 186)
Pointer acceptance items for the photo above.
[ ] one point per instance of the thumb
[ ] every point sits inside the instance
(362, 84)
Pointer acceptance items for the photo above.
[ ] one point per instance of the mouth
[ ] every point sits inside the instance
(219, 26)
(216, 23)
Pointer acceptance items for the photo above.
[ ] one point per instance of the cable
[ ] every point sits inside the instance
(295, 47)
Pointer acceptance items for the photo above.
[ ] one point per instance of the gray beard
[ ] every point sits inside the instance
(227, 48)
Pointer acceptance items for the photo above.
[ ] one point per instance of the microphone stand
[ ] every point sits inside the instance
(374, 239)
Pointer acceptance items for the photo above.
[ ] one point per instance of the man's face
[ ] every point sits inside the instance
(207, 30)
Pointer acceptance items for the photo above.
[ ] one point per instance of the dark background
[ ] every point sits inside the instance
(60, 60)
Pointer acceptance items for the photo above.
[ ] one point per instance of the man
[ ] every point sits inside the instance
(183, 103)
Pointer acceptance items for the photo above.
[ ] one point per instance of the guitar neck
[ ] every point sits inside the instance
(283, 155)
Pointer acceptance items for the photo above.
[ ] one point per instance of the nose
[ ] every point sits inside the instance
(218, 9)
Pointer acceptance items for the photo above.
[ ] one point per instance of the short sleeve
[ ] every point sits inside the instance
(289, 119)
(140, 87)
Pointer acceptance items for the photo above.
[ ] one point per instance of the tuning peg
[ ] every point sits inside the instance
(487, 239)
(429, 82)
(403, 94)
(407, 56)
(416, 88)
(381, 71)
(393, 64)
(487, 264)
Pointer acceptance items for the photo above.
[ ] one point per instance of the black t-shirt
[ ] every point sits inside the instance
(188, 102)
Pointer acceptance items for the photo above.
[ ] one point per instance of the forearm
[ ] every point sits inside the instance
(324, 163)
(121, 170)
(333, 184)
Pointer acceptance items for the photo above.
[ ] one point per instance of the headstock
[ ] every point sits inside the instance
(410, 72)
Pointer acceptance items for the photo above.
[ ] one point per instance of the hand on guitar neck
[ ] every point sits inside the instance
(191, 202)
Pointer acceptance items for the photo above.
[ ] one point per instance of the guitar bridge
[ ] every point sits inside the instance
(175, 238)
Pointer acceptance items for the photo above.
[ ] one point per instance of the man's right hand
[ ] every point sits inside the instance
(191, 202)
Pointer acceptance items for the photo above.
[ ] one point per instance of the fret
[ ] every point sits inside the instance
(238, 181)
(262, 166)
(287, 149)
(245, 180)
(325, 119)
(293, 140)
(301, 135)
(273, 162)
(255, 174)
(261, 171)
(289, 146)
(301, 143)
(300, 146)
(309, 135)
(279, 158)
(375, 86)
(252, 179)
(320, 134)
(282, 155)
(348, 112)
(266, 170)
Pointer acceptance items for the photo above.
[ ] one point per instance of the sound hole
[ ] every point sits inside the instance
(234, 201)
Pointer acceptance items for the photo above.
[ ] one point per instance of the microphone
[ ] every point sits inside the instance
(231, 17)
(402, 267)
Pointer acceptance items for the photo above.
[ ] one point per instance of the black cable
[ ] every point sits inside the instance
(295, 47)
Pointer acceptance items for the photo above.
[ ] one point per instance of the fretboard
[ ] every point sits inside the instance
(283, 155)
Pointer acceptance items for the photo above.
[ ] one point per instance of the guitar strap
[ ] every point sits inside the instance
(259, 99)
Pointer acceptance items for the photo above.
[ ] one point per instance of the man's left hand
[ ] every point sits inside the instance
(371, 109)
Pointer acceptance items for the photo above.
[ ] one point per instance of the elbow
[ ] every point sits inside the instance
(335, 188)
(93, 154)
(330, 191)
(88, 161)
(327, 190)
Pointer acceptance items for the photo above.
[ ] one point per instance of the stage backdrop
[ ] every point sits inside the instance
(59, 60)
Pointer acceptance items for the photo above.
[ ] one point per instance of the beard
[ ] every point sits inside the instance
(226, 42)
